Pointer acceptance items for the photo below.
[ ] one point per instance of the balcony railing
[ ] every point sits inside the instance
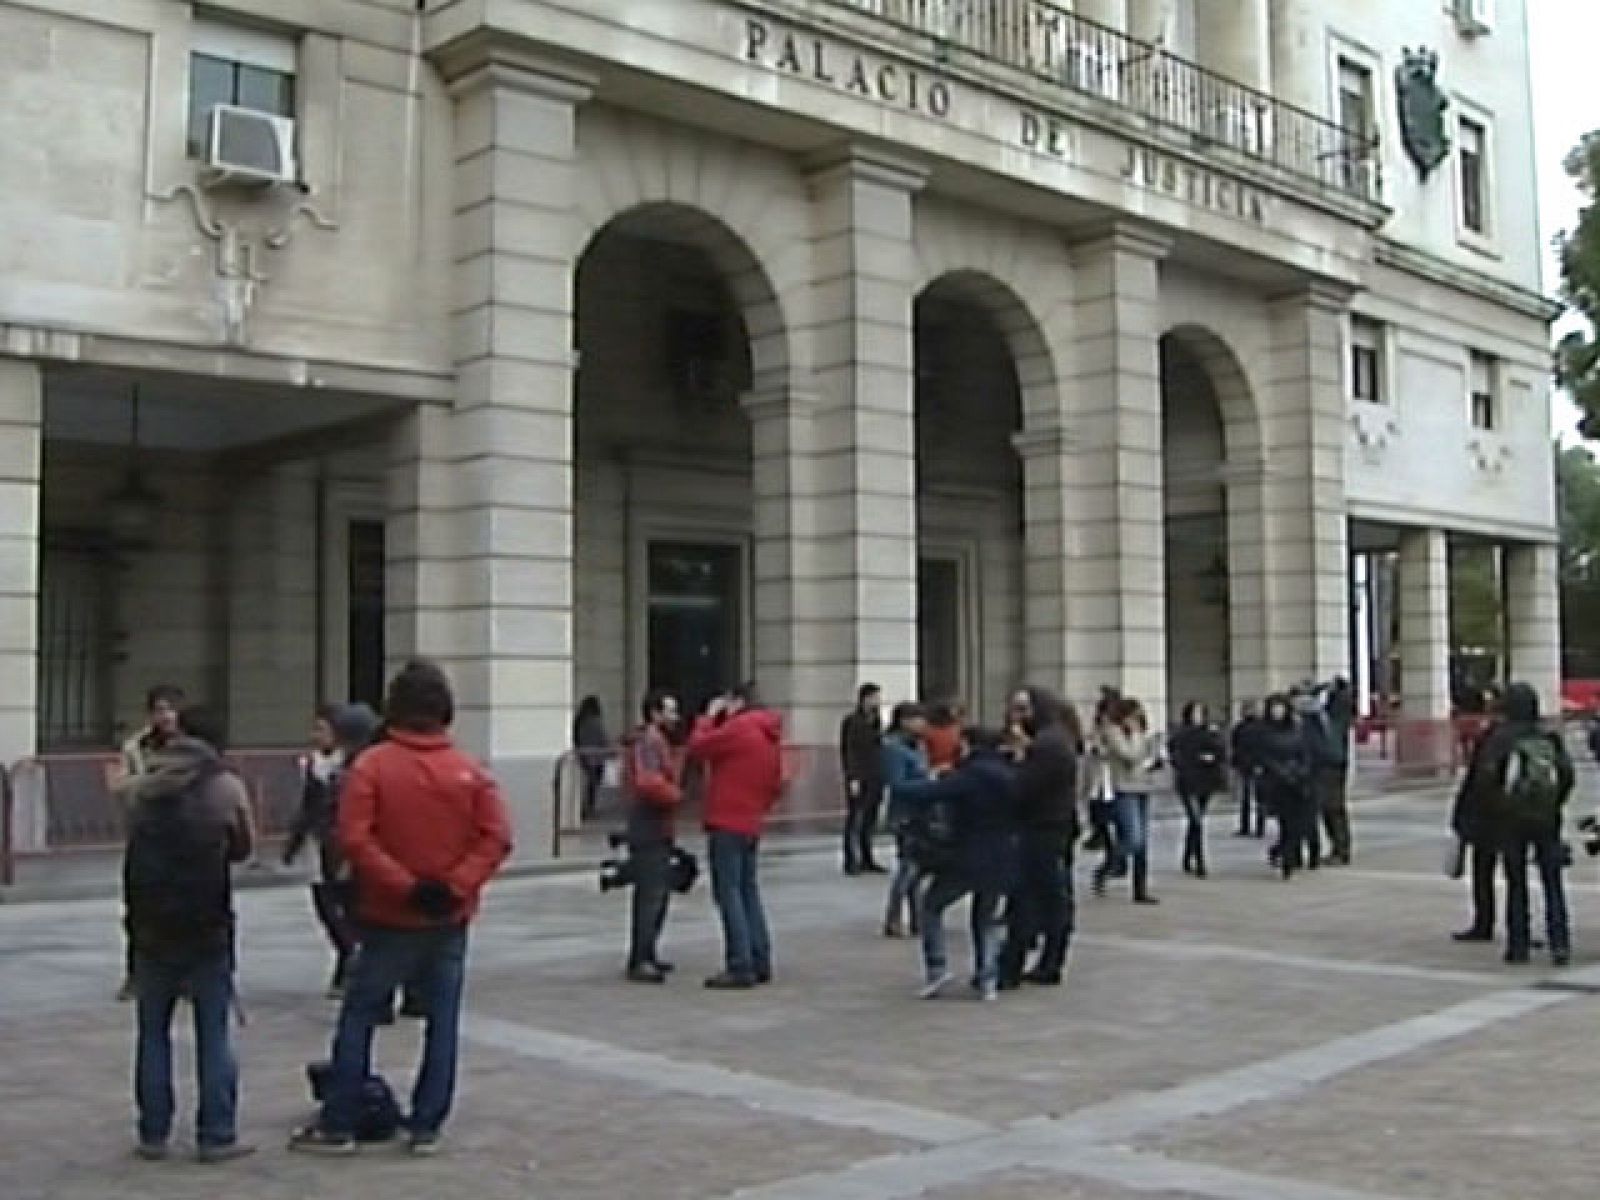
(1052, 44)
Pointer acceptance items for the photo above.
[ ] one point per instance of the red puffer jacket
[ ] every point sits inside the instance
(745, 758)
(414, 807)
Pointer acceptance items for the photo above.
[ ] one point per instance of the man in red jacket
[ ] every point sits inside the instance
(650, 780)
(741, 744)
(424, 829)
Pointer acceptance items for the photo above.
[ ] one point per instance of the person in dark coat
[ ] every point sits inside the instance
(1327, 724)
(592, 745)
(861, 763)
(1241, 754)
(980, 797)
(1284, 763)
(1487, 811)
(1046, 737)
(1198, 763)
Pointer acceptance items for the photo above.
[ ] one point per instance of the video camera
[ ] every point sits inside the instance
(1590, 828)
(620, 871)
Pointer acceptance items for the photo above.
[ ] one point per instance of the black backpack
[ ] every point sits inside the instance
(176, 883)
(377, 1115)
(930, 836)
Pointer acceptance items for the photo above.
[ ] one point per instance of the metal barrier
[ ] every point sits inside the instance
(8, 856)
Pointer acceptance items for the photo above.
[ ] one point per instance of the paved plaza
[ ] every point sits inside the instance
(1247, 1040)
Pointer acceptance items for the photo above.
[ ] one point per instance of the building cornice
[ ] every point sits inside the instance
(1424, 265)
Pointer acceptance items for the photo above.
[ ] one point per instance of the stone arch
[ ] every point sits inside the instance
(1236, 402)
(748, 217)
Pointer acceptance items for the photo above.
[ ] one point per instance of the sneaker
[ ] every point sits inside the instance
(152, 1151)
(727, 981)
(313, 1139)
(225, 1152)
(423, 1145)
(988, 992)
(937, 981)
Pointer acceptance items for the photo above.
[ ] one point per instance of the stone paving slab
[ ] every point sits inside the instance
(1509, 1111)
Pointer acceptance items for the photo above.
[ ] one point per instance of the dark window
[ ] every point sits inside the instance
(366, 616)
(1474, 177)
(1484, 403)
(214, 81)
(74, 647)
(1355, 117)
(694, 619)
(1366, 361)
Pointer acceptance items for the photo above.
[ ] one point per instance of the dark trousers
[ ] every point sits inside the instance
(1332, 784)
(861, 822)
(1299, 844)
(1484, 853)
(652, 894)
(331, 899)
(1252, 813)
(1545, 847)
(747, 943)
(435, 960)
(1042, 906)
(1195, 805)
(209, 986)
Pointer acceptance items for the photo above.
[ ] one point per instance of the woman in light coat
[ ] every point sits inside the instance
(1133, 757)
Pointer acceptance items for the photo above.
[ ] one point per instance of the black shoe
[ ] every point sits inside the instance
(646, 973)
(873, 868)
(1043, 978)
(665, 968)
(763, 977)
(1516, 958)
(851, 869)
(225, 1152)
(1473, 935)
(1145, 898)
(1561, 958)
(414, 1010)
(1242, 833)
(1099, 884)
(1006, 983)
(727, 981)
(1200, 872)
(1187, 870)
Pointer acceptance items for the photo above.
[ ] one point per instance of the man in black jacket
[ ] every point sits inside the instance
(1242, 752)
(1044, 737)
(861, 760)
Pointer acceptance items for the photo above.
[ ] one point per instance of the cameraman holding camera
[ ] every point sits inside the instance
(652, 785)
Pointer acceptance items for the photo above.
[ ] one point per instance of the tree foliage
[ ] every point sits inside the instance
(1578, 502)
(1578, 355)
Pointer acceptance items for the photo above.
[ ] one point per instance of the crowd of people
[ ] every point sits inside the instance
(409, 830)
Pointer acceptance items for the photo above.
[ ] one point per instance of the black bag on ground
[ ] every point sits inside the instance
(377, 1117)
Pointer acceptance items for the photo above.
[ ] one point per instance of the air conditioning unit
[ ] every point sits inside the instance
(247, 146)
(1474, 18)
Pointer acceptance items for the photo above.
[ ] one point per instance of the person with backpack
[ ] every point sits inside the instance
(741, 745)
(1522, 776)
(189, 823)
(424, 830)
(975, 809)
(905, 762)
(1198, 758)
(162, 704)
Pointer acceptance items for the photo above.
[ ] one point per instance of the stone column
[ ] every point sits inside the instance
(1306, 540)
(1114, 624)
(1299, 50)
(852, 552)
(1424, 625)
(1249, 671)
(21, 426)
(1234, 39)
(1049, 531)
(1533, 618)
(481, 562)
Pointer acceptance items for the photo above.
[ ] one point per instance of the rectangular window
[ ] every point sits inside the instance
(1356, 117)
(1366, 361)
(1484, 388)
(237, 65)
(1472, 152)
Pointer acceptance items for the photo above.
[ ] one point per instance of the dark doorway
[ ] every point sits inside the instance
(939, 622)
(366, 641)
(75, 578)
(695, 618)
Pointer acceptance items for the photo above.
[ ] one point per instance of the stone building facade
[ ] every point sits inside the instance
(601, 343)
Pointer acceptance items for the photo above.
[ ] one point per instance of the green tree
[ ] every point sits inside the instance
(1578, 355)
(1578, 505)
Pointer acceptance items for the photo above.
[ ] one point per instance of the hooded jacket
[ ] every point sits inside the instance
(189, 821)
(354, 728)
(1479, 802)
(415, 808)
(744, 757)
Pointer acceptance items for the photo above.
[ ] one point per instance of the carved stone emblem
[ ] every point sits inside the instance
(1422, 108)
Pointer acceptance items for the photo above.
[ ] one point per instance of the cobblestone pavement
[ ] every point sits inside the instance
(1247, 1040)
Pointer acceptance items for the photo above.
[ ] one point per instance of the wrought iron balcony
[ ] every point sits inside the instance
(1049, 43)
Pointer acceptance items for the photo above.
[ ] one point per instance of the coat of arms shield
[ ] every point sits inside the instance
(1422, 108)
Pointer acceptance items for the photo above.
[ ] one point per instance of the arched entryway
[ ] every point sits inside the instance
(981, 364)
(1211, 497)
(675, 319)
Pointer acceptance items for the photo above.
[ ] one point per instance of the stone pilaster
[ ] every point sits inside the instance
(1249, 669)
(21, 423)
(1114, 624)
(1533, 619)
(851, 595)
(1048, 538)
(481, 562)
(1306, 546)
(1424, 625)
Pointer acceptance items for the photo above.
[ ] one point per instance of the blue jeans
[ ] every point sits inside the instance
(905, 886)
(1130, 814)
(737, 891)
(944, 891)
(434, 962)
(209, 984)
(1545, 847)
